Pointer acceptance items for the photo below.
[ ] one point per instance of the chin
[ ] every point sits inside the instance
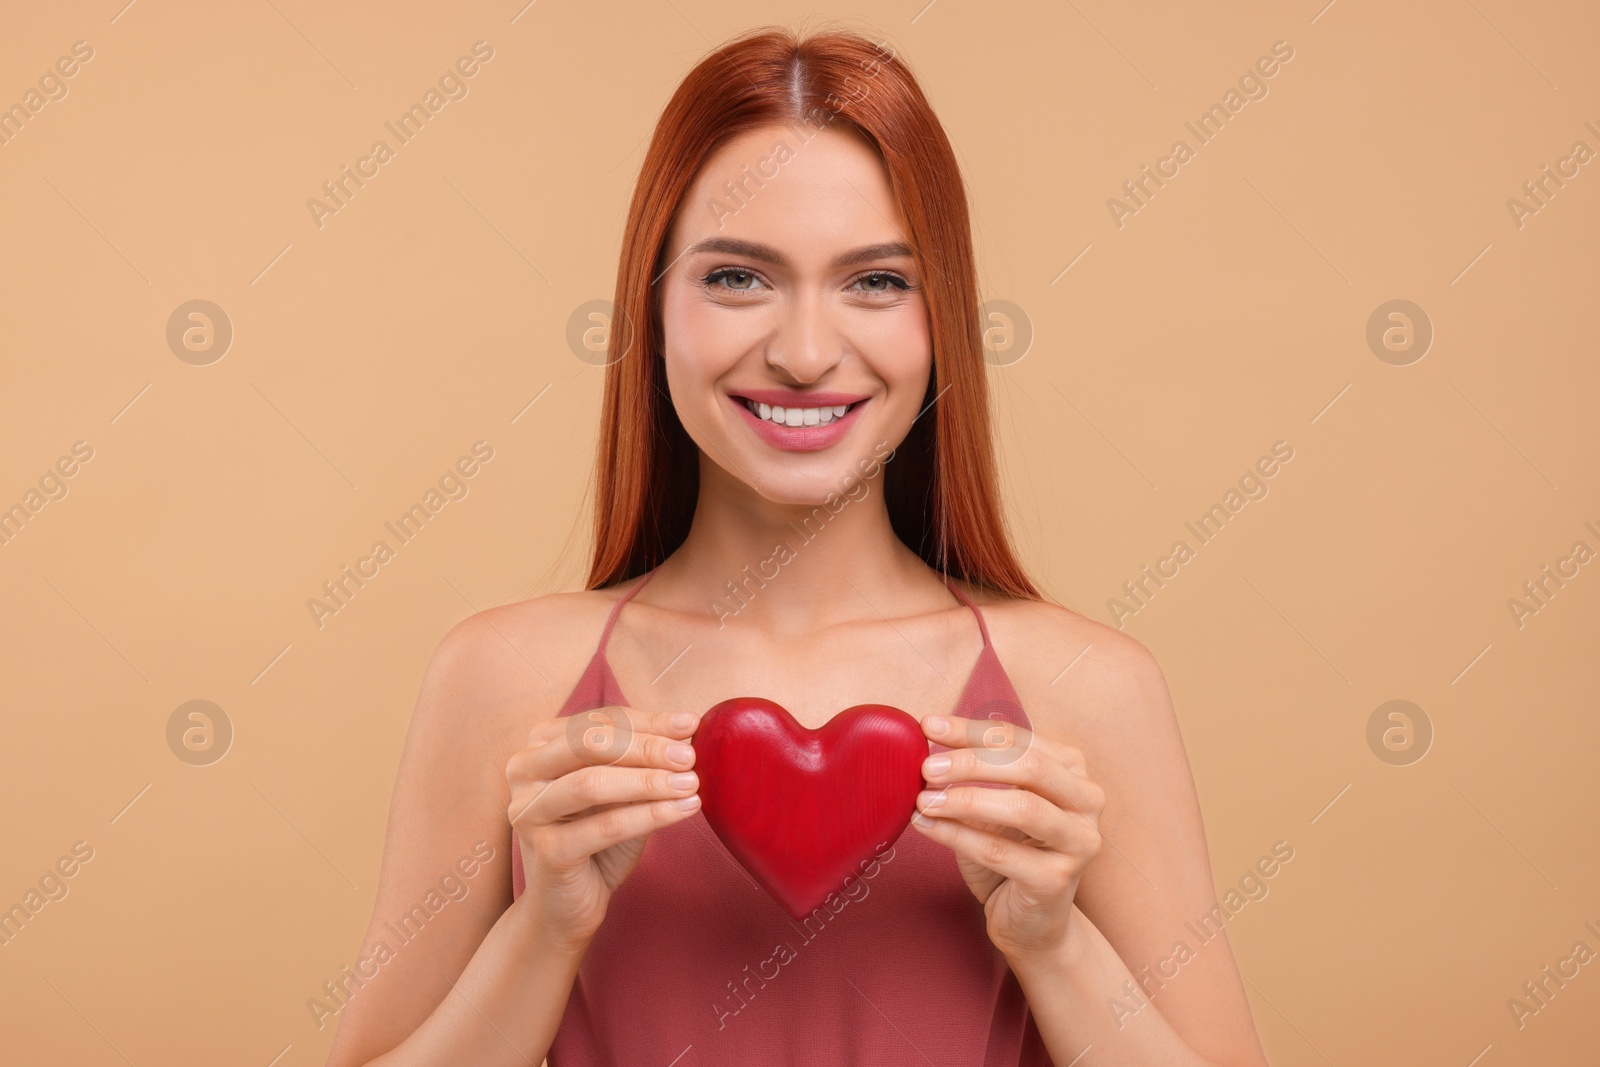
(842, 478)
(831, 476)
(807, 492)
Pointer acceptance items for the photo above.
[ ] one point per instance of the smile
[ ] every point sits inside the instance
(796, 416)
(794, 422)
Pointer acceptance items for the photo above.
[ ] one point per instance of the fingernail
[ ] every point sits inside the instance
(937, 725)
(930, 798)
(681, 780)
(687, 803)
(936, 764)
(678, 752)
(921, 819)
(683, 720)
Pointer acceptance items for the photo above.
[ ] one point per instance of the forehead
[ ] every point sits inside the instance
(810, 193)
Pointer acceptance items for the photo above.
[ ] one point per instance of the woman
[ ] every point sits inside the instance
(796, 500)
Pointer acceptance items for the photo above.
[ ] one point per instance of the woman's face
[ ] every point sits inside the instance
(796, 336)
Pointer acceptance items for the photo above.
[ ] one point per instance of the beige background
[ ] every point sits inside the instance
(1229, 313)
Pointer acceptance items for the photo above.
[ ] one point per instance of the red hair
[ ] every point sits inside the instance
(940, 485)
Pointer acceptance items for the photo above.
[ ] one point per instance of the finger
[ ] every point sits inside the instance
(576, 841)
(622, 720)
(591, 787)
(1036, 869)
(1032, 770)
(1019, 809)
(602, 737)
(1000, 740)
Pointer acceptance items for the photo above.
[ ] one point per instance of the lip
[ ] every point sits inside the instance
(798, 438)
(795, 398)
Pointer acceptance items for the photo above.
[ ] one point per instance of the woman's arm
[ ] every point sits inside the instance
(451, 972)
(1151, 888)
(1100, 897)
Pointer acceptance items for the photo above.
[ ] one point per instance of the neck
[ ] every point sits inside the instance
(792, 567)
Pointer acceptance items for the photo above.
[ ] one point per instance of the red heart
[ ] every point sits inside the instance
(802, 809)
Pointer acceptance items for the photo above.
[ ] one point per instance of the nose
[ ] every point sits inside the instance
(806, 344)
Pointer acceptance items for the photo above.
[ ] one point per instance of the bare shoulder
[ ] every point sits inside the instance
(1101, 691)
(510, 666)
(1045, 644)
(492, 676)
(1078, 678)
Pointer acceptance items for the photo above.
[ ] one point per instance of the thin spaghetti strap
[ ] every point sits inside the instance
(616, 610)
(983, 627)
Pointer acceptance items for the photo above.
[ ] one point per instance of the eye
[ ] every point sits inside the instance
(882, 282)
(743, 280)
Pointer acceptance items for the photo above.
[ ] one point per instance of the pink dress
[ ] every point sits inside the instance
(695, 965)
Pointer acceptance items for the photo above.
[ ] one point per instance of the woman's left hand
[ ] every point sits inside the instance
(1022, 849)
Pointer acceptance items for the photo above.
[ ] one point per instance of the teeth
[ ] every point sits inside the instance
(796, 416)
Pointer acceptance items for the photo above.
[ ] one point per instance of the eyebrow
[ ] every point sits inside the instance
(767, 254)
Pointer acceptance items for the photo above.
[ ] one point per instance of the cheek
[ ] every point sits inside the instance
(701, 341)
(900, 349)
(700, 345)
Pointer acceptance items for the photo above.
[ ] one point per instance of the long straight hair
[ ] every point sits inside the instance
(940, 486)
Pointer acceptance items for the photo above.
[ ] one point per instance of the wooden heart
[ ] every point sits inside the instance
(801, 809)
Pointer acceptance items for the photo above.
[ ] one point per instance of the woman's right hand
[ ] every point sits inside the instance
(586, 793)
